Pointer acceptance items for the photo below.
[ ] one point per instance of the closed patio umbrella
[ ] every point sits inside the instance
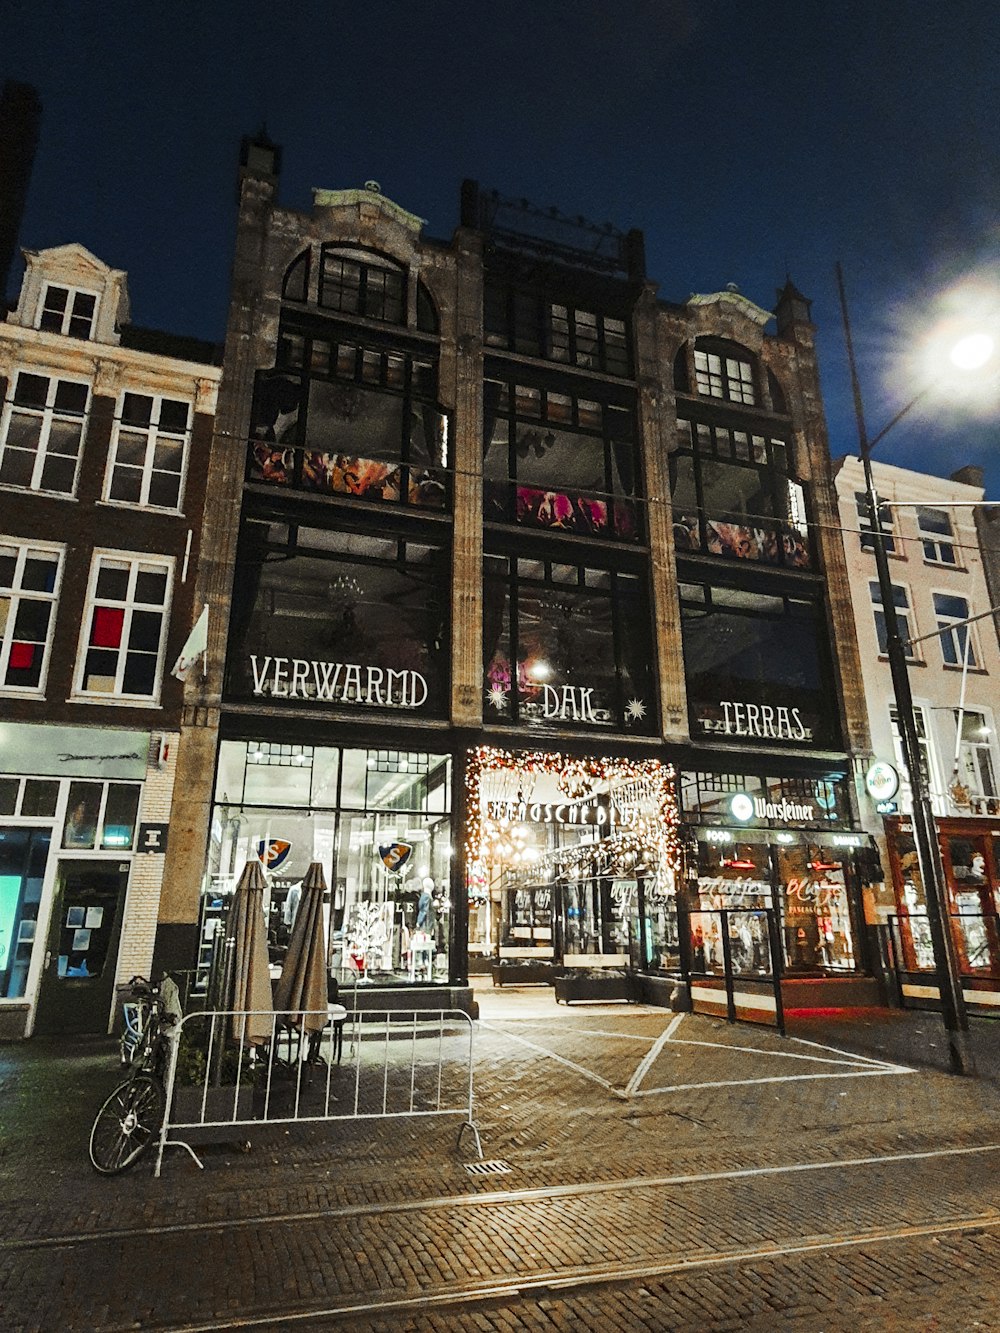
(302, 986)
(246, 981)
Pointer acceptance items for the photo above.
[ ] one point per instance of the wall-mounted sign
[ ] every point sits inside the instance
(152, 838)
(744, 807)
(759, 721)
(337, 682)
(887, 807)
(596, 813)
(881, 781)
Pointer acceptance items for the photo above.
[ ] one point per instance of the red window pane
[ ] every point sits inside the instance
(106, 631)
(22, 655)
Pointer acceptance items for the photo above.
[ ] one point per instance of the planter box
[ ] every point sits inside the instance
(523, 973)
(595, 986)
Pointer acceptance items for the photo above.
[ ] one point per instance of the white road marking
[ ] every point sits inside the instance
(646, 1063)
(780, 1055)
(559, 1059)
(776, 1078)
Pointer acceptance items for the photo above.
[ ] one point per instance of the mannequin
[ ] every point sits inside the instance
(426, 907)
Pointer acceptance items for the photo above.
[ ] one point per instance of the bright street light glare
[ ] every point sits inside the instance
(973, 351)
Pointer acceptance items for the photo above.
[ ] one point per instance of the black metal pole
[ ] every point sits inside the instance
(932, 877)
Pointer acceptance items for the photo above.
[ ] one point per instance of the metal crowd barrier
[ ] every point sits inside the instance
(400, 1063)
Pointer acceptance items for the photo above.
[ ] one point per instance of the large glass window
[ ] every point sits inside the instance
(339, 620)
(125, 619)
(23, 853)
(379, 823)
(560, 462)
(976, 762)
(757, 666)
(957, 645)
(359, 282)
(29, 588)
(67, 310)
(149, 451)
(865, 524)
(901, 601)
(41, 433)
(936, 536)
(718, 375)
(531, 324)
(344, 419)
(732, 495)
(566, 645)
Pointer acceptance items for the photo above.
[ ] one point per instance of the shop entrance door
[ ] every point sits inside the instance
(972, 890)
(78, 974)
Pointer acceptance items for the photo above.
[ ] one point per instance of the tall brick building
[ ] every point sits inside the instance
(496, 536)
(104, 442)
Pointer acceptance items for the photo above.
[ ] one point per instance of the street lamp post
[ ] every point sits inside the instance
(932, 877)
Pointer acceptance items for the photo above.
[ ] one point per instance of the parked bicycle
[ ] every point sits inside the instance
(130, 1118)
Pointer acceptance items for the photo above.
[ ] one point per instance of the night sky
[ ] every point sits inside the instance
(748, 141)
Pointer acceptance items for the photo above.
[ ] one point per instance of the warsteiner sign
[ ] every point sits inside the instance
(337, 682)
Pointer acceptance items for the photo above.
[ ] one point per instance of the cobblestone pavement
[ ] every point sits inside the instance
(665, 1172)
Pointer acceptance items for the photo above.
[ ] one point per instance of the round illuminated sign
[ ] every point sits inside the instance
(881, 781)
(741, 806)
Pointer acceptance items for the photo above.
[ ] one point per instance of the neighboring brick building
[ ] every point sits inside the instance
(495, 535)
(103, 457)
(942, 576)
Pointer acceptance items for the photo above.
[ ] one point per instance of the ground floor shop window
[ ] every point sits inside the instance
(378, 821)
(803, 882)
(571, 859)
(23, 853)
(972, 881)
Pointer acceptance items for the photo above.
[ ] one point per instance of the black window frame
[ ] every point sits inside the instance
(510, 397)
(524, 320)
(742, 444)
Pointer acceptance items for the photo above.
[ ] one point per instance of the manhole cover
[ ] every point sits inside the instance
(488, 1168)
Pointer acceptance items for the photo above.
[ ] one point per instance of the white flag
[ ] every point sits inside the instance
(195, 647)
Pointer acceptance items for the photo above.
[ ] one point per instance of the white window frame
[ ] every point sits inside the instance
(719, 375)
(972, 749)
(951, 631)
(135, 560)
(926, 747)
(903, 614)
(24, 550)
(935, 544)
(153, 433)
(68, 314)
(47, 414)
(865, 525)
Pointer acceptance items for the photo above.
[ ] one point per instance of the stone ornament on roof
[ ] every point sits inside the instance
(371, 194)
(736, 301)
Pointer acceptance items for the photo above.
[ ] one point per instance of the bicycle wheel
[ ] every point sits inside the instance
(126, 1124)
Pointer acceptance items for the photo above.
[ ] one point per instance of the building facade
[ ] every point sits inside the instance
(940, 577)
(104, 441)
(528, 611)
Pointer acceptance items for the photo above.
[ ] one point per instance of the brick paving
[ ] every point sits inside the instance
(333, 1217)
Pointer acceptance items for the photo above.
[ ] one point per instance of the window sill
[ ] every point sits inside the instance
(12, 692)
(140, 508)
(28, 490)
(910, 661)
(114, 701)
(971, 670)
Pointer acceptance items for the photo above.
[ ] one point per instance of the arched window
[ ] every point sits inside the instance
(362, 282)
(427, 317)
(296, 284)
(724, 370)
(778, 401)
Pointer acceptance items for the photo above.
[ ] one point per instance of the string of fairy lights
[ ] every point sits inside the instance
(650, 844)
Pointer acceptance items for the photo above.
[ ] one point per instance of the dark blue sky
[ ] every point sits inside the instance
(746, 140)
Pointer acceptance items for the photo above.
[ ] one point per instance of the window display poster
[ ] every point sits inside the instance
(75, 917)
(95, 918)
(81, 941)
